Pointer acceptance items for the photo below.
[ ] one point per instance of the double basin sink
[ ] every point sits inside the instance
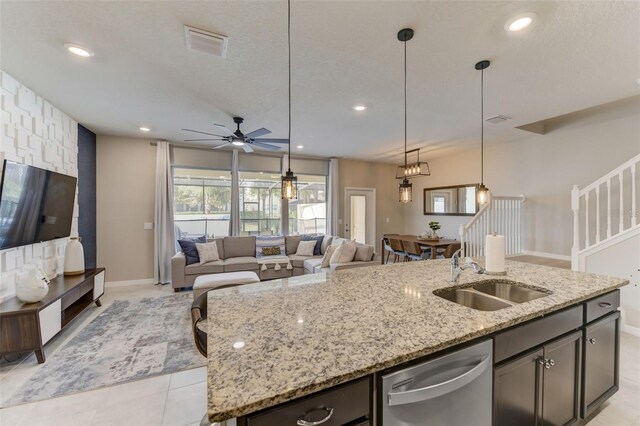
(491, 295)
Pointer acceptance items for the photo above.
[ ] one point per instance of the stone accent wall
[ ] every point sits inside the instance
(36, 133)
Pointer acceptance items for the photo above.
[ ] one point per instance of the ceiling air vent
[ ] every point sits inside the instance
(497, 119)
(206, 42)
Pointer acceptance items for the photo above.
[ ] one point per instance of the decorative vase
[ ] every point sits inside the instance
(32, 286)
(74, 257)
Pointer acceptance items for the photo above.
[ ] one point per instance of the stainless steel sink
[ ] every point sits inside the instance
(473, 300)
(491, 295)
(508, 290)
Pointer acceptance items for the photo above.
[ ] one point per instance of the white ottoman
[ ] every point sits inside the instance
(226, 279)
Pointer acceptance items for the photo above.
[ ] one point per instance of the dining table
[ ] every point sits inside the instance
(423, 242)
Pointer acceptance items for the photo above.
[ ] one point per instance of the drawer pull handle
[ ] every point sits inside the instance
(605, 304)
(303, 422)
(592, 341)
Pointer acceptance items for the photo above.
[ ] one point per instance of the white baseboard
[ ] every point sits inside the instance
(145, 281)
(547, 255)
(634, 331)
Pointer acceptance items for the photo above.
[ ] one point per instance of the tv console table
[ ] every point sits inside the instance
(26, 327)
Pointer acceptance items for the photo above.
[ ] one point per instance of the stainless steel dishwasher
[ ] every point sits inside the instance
(452, 390)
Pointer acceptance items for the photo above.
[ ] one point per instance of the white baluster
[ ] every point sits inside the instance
(608, 208)
(597, 214)
(586, 221)
(575, 207)
(621, 225)
(634, 210)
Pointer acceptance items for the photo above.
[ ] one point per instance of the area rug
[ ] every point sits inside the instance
(131, 340)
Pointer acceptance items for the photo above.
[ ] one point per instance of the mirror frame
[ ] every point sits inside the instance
(424, 200)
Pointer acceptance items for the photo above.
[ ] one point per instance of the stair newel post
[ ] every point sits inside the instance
(575, 206)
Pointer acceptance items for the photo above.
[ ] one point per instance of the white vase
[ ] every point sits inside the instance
(74, 257)
(32, 286)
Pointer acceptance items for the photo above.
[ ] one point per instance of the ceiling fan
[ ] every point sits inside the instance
(246, 142)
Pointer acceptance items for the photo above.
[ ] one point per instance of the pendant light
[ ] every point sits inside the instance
(289, 180)
(482, 193)
(404, 36)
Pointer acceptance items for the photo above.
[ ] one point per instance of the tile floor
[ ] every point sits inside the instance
(180, 398)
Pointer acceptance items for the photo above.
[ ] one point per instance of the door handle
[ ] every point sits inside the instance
(592, 341)
(302, 422)
(605, 304)
(434, 391)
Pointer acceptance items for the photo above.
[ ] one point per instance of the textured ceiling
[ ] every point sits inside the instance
(577, 54)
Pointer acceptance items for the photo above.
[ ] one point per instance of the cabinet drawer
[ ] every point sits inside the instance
(70, 297)
(349, 402)
(602, 305)
(536, 332)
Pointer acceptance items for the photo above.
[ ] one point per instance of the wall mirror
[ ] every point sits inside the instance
(457, 200)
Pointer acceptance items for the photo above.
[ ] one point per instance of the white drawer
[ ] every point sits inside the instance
(50, 320)
(98, 285)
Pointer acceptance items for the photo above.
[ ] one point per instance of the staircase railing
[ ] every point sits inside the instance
(502, 215)
(596, 220)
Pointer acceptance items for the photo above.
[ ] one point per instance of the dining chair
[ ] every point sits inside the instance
(415, 251)
(387, 246)
(451, 248)
(398, 250)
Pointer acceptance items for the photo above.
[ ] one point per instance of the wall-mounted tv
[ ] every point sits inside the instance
(35, 205)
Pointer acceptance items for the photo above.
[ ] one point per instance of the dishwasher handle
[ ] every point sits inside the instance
(434, 391)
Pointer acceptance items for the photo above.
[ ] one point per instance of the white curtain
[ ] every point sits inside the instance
(284, 204)
(333, 198)
(234, 223)
(164, 233)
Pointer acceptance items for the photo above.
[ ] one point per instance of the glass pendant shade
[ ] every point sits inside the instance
(289, 186)
(405, 191)
(482, 194)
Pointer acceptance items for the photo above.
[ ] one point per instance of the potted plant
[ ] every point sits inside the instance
(435, 226)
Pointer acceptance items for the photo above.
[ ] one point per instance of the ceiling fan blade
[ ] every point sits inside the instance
(204, 133)
(247, 148)
(223, 145)
(224, 129)
(201, 140)
(266, 146)
(257, 133)
(267, 140)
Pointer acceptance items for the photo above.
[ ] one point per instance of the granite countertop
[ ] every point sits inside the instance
(276, 341)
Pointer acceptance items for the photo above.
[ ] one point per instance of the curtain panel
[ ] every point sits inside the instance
(333, 196)
(234, 223)
(164, 233)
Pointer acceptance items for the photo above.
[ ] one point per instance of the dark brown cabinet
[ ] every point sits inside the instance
(540, 387)
(601, 361)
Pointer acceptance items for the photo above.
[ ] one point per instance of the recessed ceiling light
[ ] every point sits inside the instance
(238, 345)
(359, 107)
(299, 146)
(78, 50)
(520, 22)
(144, 129)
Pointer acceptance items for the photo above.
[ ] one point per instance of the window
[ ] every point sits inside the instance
(439, 204)
(260, 203)
(202, 202)
(308, 214)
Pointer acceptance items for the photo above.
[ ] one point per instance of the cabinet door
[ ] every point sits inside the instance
(561, 381)
(516, 391)
(601, 362)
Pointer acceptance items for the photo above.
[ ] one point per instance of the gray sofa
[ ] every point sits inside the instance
(239, 254)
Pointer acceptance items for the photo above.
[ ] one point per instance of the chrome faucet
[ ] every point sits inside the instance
(457, 268)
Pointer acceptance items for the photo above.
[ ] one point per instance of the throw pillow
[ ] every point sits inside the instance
(263, 241)
(208, 252)
(344, 253)
(271, 251)
(326, 242)
(364, 253)
(190, 251)
(327, 256)
(305, 248)
(317, 250)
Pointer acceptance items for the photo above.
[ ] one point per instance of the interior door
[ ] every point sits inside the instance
(359, 215)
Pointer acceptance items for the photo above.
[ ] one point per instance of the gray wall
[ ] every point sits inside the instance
(87, 194)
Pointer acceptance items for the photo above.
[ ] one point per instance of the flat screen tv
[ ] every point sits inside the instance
(35, 205)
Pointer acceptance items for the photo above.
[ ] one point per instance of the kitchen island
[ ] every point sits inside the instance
(278, 341)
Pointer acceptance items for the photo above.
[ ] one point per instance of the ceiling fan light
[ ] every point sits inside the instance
(237, 143)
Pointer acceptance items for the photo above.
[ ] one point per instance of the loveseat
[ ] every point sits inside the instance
(239, 254)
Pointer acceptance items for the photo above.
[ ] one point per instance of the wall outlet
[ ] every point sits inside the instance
(387, 219)
(148, 225)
